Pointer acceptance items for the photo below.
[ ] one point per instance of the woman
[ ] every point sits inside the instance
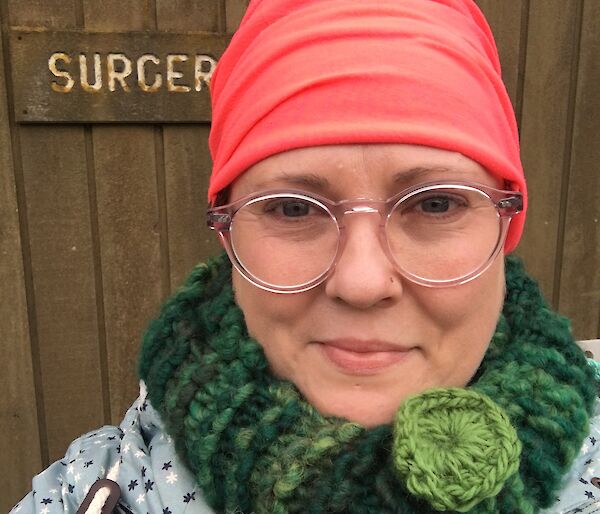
(372, 350)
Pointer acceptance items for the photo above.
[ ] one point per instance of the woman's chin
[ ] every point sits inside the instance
(365, 406)
(363, 389)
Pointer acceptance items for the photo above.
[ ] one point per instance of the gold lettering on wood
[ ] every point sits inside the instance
(172, 75)
(119, 67)
(52, 66)
(118, 75)
(203, 70)
(141, 73)
(83, 74)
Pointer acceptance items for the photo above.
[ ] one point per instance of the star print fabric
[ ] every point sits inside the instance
(141, 455)
(581, 491)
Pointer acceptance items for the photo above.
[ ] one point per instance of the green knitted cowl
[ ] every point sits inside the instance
(254, 445)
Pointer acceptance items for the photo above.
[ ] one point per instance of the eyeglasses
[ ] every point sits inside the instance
(435, 234)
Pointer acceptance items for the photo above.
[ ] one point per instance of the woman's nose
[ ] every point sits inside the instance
(364, 276)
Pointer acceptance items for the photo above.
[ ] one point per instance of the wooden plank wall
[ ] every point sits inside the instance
(98, 224)
(19, 376)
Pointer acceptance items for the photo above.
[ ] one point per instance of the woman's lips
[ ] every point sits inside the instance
(361, 357)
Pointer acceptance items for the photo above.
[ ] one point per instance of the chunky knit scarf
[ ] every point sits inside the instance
(501, 444)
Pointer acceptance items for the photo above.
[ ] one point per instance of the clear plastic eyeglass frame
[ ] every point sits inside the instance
(221, 219)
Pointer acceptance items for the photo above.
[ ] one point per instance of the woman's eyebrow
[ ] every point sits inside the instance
(309, 180)
(417, 174)
(319, 183)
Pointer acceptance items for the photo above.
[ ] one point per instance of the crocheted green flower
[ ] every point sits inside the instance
(454, 447)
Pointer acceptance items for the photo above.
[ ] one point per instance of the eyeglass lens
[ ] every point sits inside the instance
(437, 235)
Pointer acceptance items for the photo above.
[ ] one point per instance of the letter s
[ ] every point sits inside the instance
(60, 88)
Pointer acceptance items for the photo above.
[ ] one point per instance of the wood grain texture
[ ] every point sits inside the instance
(505, 19)
(580, 277)
(56, 199)
(129, 233)
(20, 446)
(234, 11)
(63, 278)
(187, 166)
(545, 130)
(188, 15)
(55, 186)
(128, 219)
(115, 15)
(187, 163)
(43, 13)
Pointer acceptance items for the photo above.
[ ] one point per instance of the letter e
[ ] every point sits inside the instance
(172, 74)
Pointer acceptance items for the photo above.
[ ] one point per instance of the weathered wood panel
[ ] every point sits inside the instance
(546, 131)
(62, 265)
(508, 20)
(43, 13)
(128, 219)
(188, 15)
(111, 15)
(74, 76)
(128, 222)
(234, 10)
(580, 278)
(187, 169)
(187, 163)
(20, 445)
(161, 199)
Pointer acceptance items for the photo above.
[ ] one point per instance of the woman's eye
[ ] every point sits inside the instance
(439, 204)
(294, 209)
(291, 208)
(435, 205)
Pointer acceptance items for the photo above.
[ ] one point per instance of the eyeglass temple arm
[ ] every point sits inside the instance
(511, 205)
(220, 221)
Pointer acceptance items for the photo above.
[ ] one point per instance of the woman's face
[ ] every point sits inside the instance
(361, 342)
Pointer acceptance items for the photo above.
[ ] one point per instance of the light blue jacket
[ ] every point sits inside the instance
(141, 458)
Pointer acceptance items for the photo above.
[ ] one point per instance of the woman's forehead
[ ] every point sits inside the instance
(359, 169)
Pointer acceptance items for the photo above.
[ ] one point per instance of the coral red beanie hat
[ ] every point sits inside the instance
(302, 73)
